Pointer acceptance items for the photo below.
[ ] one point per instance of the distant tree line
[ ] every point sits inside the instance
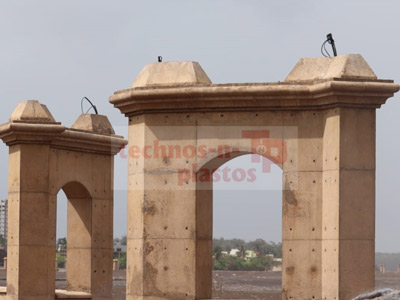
(259, 245)
(3, 241)
(235, 263)
(261, 260)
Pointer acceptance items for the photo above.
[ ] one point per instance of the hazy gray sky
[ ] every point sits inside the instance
(57, 52)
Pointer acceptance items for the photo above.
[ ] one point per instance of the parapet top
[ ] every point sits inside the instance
(32, 111)
(171, 73)
(324, 82)
(93, 123)
(31, 122)
(350, 66)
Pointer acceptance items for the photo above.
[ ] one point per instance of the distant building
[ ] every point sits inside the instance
(118, 247)
(4, 218)
(277, 263)
(234, 252)
(277, 268)
(278, 260)
(250, 254)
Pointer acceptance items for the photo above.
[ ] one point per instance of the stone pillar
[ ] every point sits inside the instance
(161, 228)
(348, 236)
(302, 205)
(30, 240)
(30, 248)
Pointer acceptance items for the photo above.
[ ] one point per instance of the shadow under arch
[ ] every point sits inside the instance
(79, 236)
(204, 218)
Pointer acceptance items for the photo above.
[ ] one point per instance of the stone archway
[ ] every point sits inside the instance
(204, 214)
(79, 237)
(44, 157)
(323, 115)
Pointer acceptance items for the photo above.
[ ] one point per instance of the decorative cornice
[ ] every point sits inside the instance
(57, 136)
(78, 140)
(17, 132)
(321, 94)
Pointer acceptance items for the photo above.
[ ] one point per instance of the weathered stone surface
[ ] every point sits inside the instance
(31, 111)
(322, 120)
(171, 73)
(349, 66)
(93, 123)
(44, 158)
(322, 128)
(313, 84)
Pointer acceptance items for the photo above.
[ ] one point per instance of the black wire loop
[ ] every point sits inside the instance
(92, 105)
(329, 39)
(323, 48)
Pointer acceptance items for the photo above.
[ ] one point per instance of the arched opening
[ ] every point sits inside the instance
(76, 226)
(61, 239)
(239, 228)
(387, 249)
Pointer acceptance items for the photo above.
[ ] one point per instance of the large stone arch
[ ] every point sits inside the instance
(204, 214)
(45, 157)
(324, 113)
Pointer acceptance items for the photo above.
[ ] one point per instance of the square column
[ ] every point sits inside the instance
(30, 242)
(161, 225)
(301, 205)
(348, 213)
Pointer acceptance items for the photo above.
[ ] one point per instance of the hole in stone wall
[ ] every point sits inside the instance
(247, 229)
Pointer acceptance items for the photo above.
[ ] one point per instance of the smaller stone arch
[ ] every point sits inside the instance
(44, 157)
(79, 237)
